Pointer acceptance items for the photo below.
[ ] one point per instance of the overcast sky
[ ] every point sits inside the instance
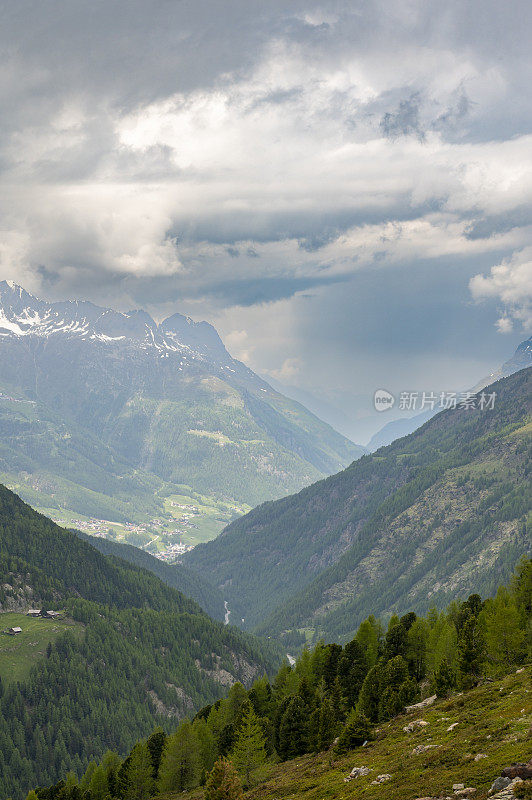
(343, 188)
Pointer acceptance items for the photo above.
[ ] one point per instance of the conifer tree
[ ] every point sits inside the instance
(471, 648)
(369, 635)
(370, 694)
(206, 745)
(156, 746)
(357, 730)
(293, 731)
(352, 669)
(504, 635)
(326, 725)
(140, 773)
(223, 782)
(99, 784)
(444, 679)
(249, 751)
(180, 767)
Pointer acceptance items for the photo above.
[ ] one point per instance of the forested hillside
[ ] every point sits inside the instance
(433, 515)
(175, 575)
(140, 655)
(337, 699)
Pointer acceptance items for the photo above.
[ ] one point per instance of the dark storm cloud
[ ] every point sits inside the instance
(226, 156)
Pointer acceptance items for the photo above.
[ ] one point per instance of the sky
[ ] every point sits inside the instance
(344, 189)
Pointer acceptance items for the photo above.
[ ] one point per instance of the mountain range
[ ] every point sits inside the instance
(413, 525)
(154, 428)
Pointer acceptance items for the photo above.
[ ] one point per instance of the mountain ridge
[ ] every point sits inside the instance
(160, 408)
(318, 560)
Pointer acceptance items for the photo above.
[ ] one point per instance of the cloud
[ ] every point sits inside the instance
(282, 169)
(289, 371)
(510, 282)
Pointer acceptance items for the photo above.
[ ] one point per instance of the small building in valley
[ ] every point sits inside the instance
(50, 614)
(14, 631)
(33, 612)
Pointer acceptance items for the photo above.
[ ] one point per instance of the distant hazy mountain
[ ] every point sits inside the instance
(417, 523)
(106, 414)
(402, 427)
(396, 428)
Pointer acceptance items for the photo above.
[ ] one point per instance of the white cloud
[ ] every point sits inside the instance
(510, 282)
(288, 372)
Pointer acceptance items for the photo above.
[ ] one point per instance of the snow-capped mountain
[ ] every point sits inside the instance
(163, 400)
(23, 315)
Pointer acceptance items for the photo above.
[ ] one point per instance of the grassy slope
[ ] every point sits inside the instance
(18, 654)
(493, 719)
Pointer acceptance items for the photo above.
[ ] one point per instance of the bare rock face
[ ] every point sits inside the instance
(508, 792)
(422, 748)
(498, 785)
(423, 704)
(357, 772)
(415, 725)
(381, 779)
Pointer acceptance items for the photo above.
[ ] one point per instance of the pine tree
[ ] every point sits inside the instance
(471, 648)
(416, 650)
(352, 669)
(156, 746)
(140, 773)
(326, 725)
(357, 730)
(206, 745)
(223, 782)
(370, 693)
(99, 785)
(180, 767)
(444, 679)
(504, 635)
(369, 635)
(293, 730)
(249, 751)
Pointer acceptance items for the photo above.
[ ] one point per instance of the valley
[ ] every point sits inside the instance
(150, 434)
(414, 524)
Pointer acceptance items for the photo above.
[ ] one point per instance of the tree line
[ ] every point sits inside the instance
(331, 696)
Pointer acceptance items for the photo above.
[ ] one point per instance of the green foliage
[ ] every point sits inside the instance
(293, 730)
(444, 679)
(249, 751)
(126, 662)
(357, 730)
(503, 631)
(300, 711)
(140, 774)
(180, 764)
